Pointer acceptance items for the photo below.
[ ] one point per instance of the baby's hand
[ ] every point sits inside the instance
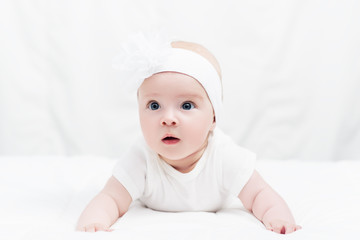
(94, 227)
(281, 227)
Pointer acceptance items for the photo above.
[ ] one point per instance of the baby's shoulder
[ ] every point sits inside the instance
(226, 147)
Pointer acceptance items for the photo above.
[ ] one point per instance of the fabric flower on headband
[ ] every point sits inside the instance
(139, 58)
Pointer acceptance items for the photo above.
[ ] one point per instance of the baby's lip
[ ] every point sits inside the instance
(170, 139)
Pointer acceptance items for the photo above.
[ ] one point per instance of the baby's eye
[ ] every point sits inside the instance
(187, 106)
(153, 105)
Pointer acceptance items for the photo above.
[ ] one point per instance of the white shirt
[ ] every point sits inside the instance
(221, 172)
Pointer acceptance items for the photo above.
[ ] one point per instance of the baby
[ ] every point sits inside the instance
(183, 162)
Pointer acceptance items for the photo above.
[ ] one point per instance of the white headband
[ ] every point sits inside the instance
(192, 64)
(142, 56)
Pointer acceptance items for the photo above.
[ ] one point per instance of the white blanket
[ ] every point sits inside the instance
(42, 197)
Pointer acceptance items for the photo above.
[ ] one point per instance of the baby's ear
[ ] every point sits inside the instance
(213, 124)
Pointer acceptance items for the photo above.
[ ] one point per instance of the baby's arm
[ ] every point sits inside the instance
(103, 211)
(258, 197)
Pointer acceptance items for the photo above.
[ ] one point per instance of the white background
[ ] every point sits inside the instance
(291, 73)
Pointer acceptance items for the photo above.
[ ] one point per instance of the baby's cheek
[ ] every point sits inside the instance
(147, 122)
(198, 133)
(148, 132)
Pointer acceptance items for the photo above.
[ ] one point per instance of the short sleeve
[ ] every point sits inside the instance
(237, 164)
(130, 170)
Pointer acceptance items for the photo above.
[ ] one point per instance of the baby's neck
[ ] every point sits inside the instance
(188, 163)
(186, 169)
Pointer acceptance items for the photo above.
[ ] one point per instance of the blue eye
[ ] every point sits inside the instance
(187, 106)
(154, 106)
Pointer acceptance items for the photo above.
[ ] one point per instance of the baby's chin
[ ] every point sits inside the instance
(171, 158)
(177, 156)
(181, 164)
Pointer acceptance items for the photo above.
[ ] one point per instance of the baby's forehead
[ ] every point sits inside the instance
(180, 95)
(173, 84)
(177, 80)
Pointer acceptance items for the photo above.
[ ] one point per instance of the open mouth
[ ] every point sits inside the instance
(170, 140)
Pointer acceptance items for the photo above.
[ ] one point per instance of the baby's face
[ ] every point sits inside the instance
(176, 115)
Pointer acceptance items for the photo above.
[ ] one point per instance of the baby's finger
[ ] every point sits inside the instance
(90, 228)
(297, 227)
(100, 227)
(279, 228)
(289, 229)
(292, 228)
(270, 228)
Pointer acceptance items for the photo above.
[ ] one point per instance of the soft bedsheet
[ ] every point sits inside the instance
(42, 197)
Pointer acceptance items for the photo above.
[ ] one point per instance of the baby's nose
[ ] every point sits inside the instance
(169, 119)
(169, 123)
